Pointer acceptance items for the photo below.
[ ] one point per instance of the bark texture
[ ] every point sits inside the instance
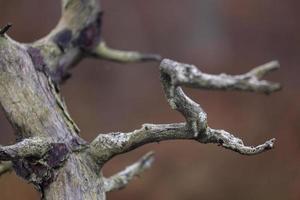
(49, 152)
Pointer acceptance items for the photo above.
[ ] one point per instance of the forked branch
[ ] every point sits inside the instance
(50, 149)
(174, 75)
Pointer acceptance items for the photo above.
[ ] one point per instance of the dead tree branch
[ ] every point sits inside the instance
(190, 76)
(5, 29)
(35, 147)
(173, 75)
(104, 52)
(50, 153)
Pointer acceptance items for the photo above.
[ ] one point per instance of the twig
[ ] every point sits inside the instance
(5, 29)
(104, 52)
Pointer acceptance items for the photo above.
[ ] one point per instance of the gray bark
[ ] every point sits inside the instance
(49, 152)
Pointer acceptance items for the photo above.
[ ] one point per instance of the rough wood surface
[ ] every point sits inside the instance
(49, 152)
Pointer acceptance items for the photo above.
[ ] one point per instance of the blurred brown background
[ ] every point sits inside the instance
(218, 36)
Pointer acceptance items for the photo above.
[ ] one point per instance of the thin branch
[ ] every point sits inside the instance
(105, 146)
(35, 147)
(104, 52)
(173, 75)
(5, 166)
(121, 179)
(5, 29)
(190, 76)
(231, 142)
(261, 71)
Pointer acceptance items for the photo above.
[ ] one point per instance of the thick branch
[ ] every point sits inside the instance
(78, 35)
(121, 179)
(105, 146)
(104, 52)
(35, 147)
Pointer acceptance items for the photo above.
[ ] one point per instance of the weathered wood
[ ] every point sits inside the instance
(29, 95)
(50, 153)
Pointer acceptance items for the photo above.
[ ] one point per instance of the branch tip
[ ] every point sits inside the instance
(270, 143)
(264, 69)
(182, 74)
(147, 160)
(5, 29)
(229, 141)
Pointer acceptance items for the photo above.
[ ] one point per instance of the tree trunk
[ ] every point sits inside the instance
(29, 94)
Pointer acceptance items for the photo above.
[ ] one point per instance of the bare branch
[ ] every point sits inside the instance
(121, 179)
(5, 166)
(173, 75)
(104, 52)
(35, 147)
(261, 71)
(191, 76)
(29, 95)
(231, 142)
(5, 29)
(105, 146)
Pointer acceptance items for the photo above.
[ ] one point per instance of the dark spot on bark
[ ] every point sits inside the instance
(5, 29)
(46, 182)
(37, 58)
(57, 154)
(221, 142)
(32, 158)
(20, 169)
(268, 147)
(5, 154)
(34, 171)
(63, 39)
(166, 77)
(39, 170)
(60, 75)
(188, 70)
(90, 35)
(42, 171)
